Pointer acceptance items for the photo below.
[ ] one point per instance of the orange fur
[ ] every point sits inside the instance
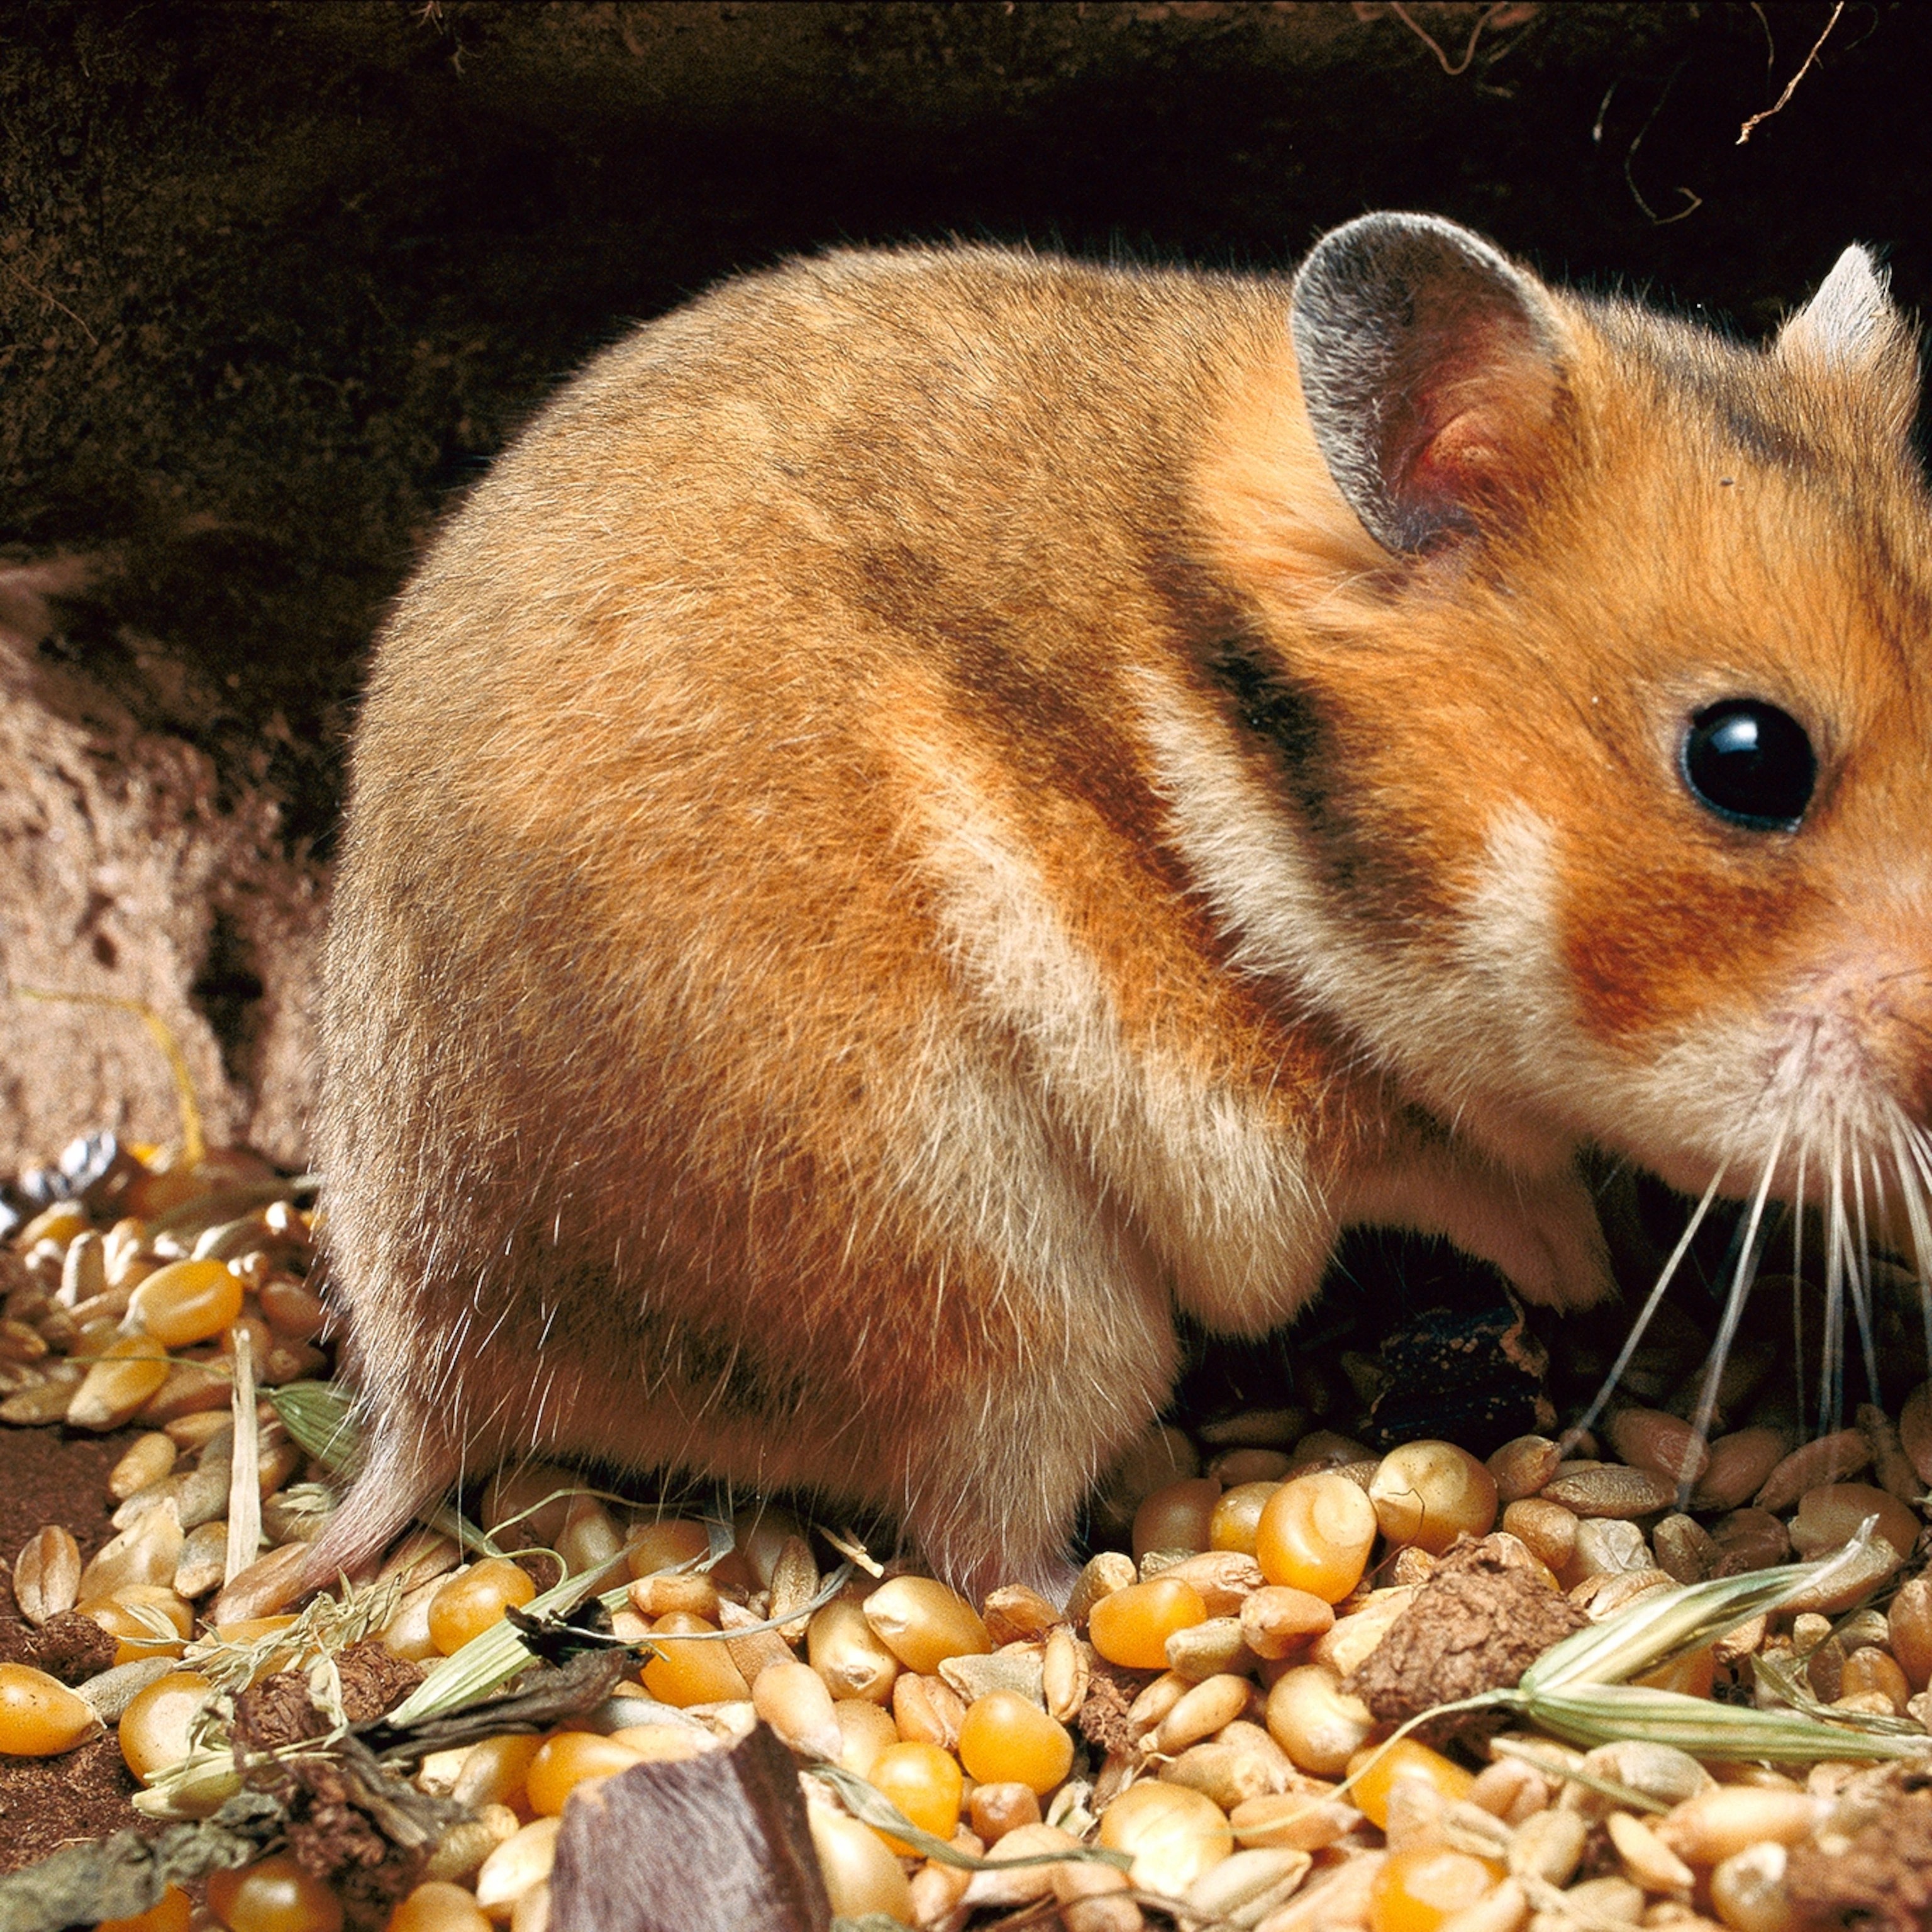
(909, 830)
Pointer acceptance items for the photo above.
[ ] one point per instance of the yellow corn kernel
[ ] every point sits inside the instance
(437, 1907)
(1315, 1534)
(186, 1302)
(60, 1222)
(469, 1604)
(154, 1729)
(1427, 1494)
(1131, 1627)
(1405, 1758)
(1418, 1888)
(1237, 1516)
(564, 1762)
(274, 1894)
(1692, 1675)
(495, 1772)
(691, 1673)
(925, 1783)
(40, 1717)
(922, 1623)
(1005, 1739)
(126, 1616)
(173, 1912)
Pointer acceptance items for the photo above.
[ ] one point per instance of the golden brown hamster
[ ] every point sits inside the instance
(939, 808)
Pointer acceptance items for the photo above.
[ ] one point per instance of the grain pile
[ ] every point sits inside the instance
(1197, 1736)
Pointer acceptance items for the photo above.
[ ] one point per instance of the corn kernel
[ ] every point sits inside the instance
(1748, 1891)
(1315, 1534)
(792, 1699)
(1131, 1627)
(1174, 1835)
(1176, 1515)
(861, 1875)
(1417, 1889)
(128, 1615)
(1237, 1516)
(866, 1729)
(60, 1222)
(1318, 1725)
(1404, 1758)
(517, 1864)
(568, 1759)
(437, 1907)
(922, 1623)
(468, 1604)
(494, 1771)
(1429, 1493)
(186, 1302)
(925, 1783)
(274, 1894)
(1004, 1739)
(40, 1717)
(691, 1673)
(1690, 1675)
(173, 1912)
(839, 1645)
(154, 1730)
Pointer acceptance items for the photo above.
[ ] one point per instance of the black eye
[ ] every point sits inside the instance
(1750, 763)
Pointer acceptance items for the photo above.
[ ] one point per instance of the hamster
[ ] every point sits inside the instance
(940, 807)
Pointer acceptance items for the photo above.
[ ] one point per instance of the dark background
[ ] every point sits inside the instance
(276, 279)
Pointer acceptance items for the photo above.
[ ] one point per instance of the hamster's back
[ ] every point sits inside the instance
(665, 1123)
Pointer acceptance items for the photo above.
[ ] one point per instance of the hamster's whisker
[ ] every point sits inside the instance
(1744, 1274)
(1666, 1275)
(1861, 1258)
(1915, 1187)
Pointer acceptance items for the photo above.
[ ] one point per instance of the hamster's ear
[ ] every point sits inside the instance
(1850, 324)
(1432, 370)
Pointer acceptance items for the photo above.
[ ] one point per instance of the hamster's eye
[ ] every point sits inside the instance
(1750, 763)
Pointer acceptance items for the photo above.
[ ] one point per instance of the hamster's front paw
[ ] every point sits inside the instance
(1550, 1244)
(1540, 1230)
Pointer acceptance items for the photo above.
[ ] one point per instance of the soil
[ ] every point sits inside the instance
(51, 1475)
(1881, 1881)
